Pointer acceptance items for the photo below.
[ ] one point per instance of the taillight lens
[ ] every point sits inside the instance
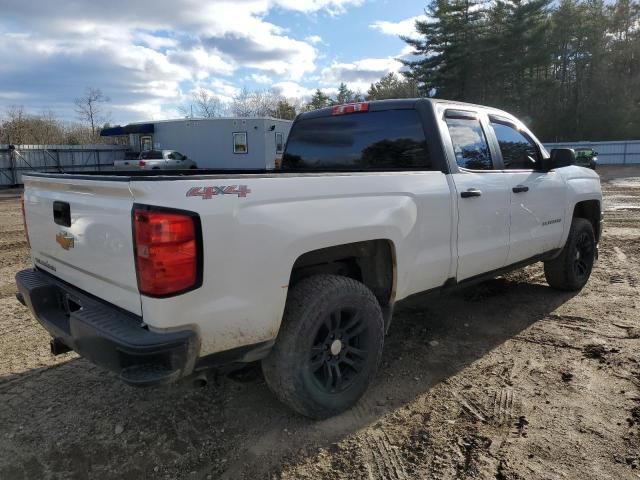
(350, 108)
(24, 220)
(167, 251)
(142, 163)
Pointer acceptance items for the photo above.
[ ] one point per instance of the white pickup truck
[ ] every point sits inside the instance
(161, 275)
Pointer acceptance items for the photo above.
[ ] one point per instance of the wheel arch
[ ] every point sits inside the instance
(372, 262)
(590, 210)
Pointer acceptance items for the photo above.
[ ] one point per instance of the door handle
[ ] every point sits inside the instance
(520, 189)
(472, 192)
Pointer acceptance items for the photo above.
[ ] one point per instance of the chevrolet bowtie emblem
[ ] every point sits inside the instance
(65, 240)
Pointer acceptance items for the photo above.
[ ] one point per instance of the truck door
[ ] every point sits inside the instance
(482, 196)
(537, 197)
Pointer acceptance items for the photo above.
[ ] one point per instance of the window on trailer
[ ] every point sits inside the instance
(146, 143)
(279, 142)
(240, 142)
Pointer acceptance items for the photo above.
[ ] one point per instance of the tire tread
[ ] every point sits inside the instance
(305, 297)
(558, 271)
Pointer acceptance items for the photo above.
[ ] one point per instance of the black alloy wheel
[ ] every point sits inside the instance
(340, 349)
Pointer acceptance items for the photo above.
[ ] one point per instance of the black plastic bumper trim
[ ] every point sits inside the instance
(105, 334)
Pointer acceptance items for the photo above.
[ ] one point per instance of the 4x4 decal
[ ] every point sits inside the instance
(208, 193)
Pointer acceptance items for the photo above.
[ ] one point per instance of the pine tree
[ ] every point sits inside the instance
(393, 86)
(448, 44)
(319, 100)
(344, 95)
(285, 110)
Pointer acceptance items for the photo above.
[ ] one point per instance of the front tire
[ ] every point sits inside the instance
(328, 348)
(571, 270)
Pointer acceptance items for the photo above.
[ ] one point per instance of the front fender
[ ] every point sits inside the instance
(582, 184)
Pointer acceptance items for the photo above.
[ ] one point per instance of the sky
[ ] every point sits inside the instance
(148, 56)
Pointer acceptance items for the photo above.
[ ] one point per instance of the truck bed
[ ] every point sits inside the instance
(165, 175)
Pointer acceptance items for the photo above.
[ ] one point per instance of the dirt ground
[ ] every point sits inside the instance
(507, 380)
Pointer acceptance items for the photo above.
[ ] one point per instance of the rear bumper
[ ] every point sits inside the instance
(105, 334)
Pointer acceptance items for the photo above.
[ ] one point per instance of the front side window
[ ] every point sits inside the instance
(279, 142)
(518, 151)
(376, 140)
(176, 156)
(240, 142)
(469, 143)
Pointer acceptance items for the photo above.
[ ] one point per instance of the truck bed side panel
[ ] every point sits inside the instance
(251, 243)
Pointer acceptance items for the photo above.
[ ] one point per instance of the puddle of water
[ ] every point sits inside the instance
(616, 208)
(622, 232)
(627, 182)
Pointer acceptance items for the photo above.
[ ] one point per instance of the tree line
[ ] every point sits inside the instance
(570, 69)
(20, 127)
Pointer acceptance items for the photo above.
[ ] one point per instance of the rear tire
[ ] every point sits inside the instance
(571, 270)
(328, 348)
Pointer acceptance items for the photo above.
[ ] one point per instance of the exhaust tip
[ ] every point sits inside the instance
(200, 380)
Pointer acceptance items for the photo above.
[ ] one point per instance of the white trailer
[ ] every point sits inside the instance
(216, 143)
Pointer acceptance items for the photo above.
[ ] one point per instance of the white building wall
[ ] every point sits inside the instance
(609, 153)
(210, 141)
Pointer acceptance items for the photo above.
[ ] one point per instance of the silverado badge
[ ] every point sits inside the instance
(65, 240)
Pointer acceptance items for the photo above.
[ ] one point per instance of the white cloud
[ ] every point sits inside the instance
(333, 7)
(406, 27)
(314, 39)
(359, 75)
(143, 54)
(259, 78)
(293, 90)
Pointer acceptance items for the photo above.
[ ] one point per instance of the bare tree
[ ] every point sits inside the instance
(242, 104)
(47, 129)
(203, 104)
(20, 127)
(90, 108)
(15, 129)
(261, 103)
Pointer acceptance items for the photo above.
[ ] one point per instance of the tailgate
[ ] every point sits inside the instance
(90, 243)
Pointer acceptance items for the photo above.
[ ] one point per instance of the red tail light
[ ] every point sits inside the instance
(167, 250)
(350, 108)
(142, 163)
(24, 220)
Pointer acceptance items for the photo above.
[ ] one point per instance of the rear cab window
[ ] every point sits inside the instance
(362, 141)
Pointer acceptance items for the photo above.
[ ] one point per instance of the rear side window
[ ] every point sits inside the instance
(384, 140)
(469, 143)
(151, 155)
(518, 151)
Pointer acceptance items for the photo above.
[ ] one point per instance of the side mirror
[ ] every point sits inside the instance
(560, 157)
